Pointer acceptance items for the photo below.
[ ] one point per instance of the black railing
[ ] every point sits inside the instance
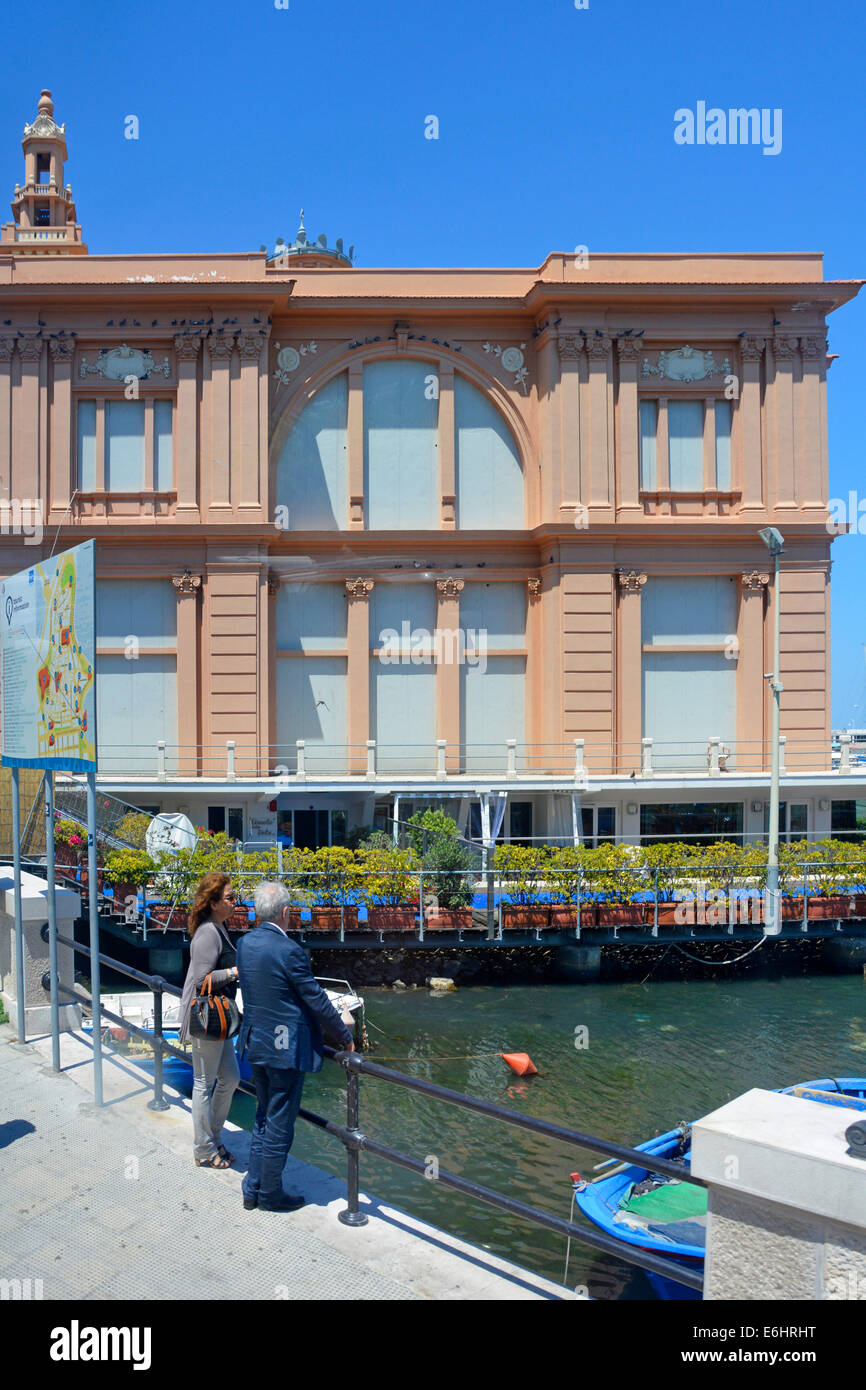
(355, 1141)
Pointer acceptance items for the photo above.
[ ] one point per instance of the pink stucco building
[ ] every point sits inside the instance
(370, 538)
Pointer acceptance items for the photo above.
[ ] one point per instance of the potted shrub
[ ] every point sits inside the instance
(70, 841)
(566, 874)
(331, 874)
(427, 828)
(613, 870)
(388, 887)
(521, 873)
(672, 867)
(127, 870)
(448, 885)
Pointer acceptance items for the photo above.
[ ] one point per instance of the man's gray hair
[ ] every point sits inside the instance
(269, 899)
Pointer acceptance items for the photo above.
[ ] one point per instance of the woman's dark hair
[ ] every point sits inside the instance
(208, 891)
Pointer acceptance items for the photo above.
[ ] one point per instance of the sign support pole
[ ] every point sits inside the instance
(48, 785)
(93, 903)
(19, 924)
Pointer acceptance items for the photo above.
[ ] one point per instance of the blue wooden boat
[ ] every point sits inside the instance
(667, 1217)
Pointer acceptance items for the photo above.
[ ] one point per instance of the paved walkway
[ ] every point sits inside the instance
(108, 1204)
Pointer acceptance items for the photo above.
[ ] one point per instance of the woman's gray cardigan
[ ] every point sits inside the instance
(205, 950)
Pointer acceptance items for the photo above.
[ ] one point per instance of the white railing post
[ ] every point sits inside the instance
(371, 760)
(783, 739)
(579, 768)
(280, 858)
(713, 756)
(230, 759)
(844, 752)
(160, 760)
(511, 757)
(647, 758)
(441, 745)
(301, 769)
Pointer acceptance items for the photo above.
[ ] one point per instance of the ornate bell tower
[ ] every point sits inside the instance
(42, 207)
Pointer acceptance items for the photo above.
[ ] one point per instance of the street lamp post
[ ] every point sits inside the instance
(774, 542)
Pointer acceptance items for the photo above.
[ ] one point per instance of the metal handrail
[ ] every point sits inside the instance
(355, 1141)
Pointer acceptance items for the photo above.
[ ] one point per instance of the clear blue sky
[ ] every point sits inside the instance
(556, 130)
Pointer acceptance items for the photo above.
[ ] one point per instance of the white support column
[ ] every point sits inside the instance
(647, 759)
(713, 756)
(371, 760)
(511, 757)
(230, 759)
(441, 745)
(301, 771)
(845, 753)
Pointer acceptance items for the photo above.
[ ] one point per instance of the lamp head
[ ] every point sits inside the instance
(773, 540)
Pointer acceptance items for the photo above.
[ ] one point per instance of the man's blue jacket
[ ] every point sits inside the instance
(285, 1010)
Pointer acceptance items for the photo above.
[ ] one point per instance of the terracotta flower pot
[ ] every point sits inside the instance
(792, 909)
(328, 918)
(822, 908)
(122, 891)
(564, 915)
(239, 920)
(449, 919)
(620, 914)
(159, 916)
(667, 913)
(390, 917)
(858, 905)
(522, 917)
(65, 854)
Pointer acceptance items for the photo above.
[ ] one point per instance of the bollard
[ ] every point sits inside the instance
(159, 1102)
(353, 1216)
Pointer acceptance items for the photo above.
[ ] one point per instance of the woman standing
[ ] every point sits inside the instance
(215, 1066)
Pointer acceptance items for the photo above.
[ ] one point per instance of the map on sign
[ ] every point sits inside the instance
(47, 683)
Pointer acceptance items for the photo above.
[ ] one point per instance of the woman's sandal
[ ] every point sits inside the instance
(221, 1159)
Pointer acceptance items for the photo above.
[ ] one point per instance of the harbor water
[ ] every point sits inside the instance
(624, 1061)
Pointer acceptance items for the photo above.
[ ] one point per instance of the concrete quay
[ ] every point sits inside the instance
(108, 1204)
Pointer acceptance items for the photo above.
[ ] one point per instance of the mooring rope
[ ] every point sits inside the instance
(699, 960)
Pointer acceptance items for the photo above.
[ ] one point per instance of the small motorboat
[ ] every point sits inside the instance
(665, 1216)
(176, 1071)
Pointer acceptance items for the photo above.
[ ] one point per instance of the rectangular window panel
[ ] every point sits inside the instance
(163, 464)
(401, 415)
(311, 704)
(696, 821)
(848, 820)
(493, 614)
(124, 446)
(403, 717)
(687, 698)
(87, 445)
(136, 705)
(649, 414)
(723, 446)
(311, 617)
(606, 823)
(686, 446)
(145, 609)
(691, 611)
(492, 710)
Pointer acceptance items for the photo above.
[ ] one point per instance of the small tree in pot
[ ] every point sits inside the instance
(448, 885)
(567, 876)
(127, 870)
(332, 879)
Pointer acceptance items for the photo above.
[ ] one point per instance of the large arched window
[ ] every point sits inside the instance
(487, 464)
(311, 473)
(401, 414)
(397, 440)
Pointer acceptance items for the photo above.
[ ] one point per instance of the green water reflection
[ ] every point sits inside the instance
(657, 1053)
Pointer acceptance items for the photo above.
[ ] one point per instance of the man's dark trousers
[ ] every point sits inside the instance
(278, 1092)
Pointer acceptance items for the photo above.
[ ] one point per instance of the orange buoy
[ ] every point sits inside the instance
(519, 1062)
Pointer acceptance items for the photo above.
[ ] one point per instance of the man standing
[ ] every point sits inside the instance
(285, 1011)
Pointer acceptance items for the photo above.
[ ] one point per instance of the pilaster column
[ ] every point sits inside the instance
(25, 472)
(752, 470)
(355, 447)
(782, 492)
(534, 679)
(448, 671)
(220, 463)
(629, 668)
(600, 421)
(187, 588)
(551, 496)
(750, 672)
(60, 483)
(814, 485)
(358, 645)
(574, 487)
(628, 462)
(710, 507)
(6, 347)
(247, 469)
(186, 433)
(447, 450)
